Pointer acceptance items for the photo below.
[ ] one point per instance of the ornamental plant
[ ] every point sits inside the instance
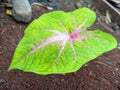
(59, 42)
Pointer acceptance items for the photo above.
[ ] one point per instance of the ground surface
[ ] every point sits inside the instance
(102, 73)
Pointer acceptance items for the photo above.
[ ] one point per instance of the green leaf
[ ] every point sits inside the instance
(57, 42)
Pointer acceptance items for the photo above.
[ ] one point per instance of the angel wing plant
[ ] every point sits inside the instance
(59, 42)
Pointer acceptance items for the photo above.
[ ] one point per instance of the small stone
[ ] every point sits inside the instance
(113, 73)
(97, 66)
(62, 80)
(119, 46)
(2, 81)
(21, 10)
(90, 73)
(109, 63)
(117, 81)
(116, 69)
(78, 5)
(86, 65)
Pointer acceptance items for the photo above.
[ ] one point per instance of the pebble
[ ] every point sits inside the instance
(90, 73)
(62, 80)
(78, 5)
(119, 46)
(21, 10)
(109, 63)
(116, 69)
(86, 65)
(2, 80)
(113, 73)
(97, 66)
(117, 81)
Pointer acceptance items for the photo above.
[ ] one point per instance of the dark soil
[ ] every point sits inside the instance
(102, 73)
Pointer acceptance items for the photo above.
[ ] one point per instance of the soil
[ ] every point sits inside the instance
(102, 73)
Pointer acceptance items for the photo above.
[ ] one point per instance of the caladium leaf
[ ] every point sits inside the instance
(58, 42)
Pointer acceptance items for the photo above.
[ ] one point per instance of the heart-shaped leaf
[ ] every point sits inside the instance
(58, 42)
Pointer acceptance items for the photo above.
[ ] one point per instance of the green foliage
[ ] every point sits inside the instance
(58, 42)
